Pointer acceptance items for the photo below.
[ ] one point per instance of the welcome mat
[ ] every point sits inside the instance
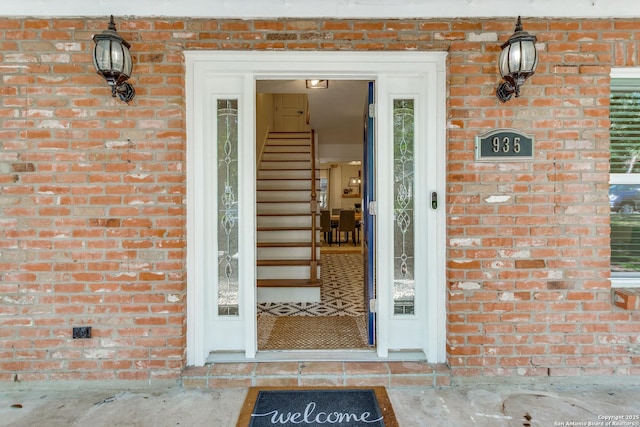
(312, 406)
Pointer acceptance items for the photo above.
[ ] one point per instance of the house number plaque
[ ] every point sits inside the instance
(503, 145)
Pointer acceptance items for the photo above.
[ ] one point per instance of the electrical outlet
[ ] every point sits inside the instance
(81, 332)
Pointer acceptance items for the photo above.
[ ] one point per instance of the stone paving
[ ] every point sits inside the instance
(317, 373)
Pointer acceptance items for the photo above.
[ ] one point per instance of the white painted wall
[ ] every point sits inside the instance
(330, 8)
(264, 120)
(337, 153)
(335, 184)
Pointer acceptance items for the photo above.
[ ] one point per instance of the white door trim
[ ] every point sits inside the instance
(203, 68)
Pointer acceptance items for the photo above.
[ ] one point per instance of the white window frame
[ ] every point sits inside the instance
(619, 178)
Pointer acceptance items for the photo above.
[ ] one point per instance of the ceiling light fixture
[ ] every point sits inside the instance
(112, 60)
(517, 63)
(317, 84)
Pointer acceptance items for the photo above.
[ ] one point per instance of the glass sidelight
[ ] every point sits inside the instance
(404, 218)
(227, 149)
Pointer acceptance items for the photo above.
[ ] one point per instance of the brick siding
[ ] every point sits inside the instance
(92, 194)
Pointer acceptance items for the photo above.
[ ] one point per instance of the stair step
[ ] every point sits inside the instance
(285, 165)
(299, 272)
(285, 203)
(284, 228)
(284, 156)
(267, 214)
(269, 190)
(282, 262)
(284, 174)
(283, 185)
(290, 139)
(271, 283)
(284, 244)
(281, 220)
(280, 209)
(303, 235)
(284, 210)
(291, 134)
(285, 159)
(283, 206)
(285, 252)
(276, 148)
(283, 196)
(270, 176)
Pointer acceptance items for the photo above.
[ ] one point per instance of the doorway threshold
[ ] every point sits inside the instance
(317, 356)
(317, 369)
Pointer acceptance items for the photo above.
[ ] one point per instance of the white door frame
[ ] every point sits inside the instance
(239, 70)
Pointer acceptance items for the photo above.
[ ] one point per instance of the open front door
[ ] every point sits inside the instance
(368, 240)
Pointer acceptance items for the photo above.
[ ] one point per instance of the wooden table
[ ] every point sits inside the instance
(358, 216)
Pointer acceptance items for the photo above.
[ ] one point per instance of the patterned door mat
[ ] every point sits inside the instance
(337, 406)
(312, 332)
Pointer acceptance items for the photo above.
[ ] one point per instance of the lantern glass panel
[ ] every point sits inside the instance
(117, 57)
(515, 58)
(504, 61)
(529, 57)
(128, 64)
(102, 55)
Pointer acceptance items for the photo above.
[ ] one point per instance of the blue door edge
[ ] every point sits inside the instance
(369, 229)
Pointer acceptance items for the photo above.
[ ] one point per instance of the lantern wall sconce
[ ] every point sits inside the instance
(112, 60)
(517, 63)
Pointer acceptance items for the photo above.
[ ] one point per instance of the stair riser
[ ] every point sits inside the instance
(284, 236)
(309, 295)
(277, 208)
(293, 140)
(283, 184)
(283, 196)
(303, 157)
(287, 174)
(286, 149)
(284, 221)
(279, 165)
(285, 253)
(289, 272)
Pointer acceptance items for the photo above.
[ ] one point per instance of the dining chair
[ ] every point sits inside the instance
(325, 225)
(334, 222)
(347, 225)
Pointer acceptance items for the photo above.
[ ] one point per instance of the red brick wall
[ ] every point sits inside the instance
(92, 224)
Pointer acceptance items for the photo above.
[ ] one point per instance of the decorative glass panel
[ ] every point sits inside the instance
(624, 196)
(227, 150)
(404, 218)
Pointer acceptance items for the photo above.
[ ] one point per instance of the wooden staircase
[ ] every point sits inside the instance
(288, 229)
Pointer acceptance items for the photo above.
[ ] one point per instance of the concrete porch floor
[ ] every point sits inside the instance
(491, 406)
